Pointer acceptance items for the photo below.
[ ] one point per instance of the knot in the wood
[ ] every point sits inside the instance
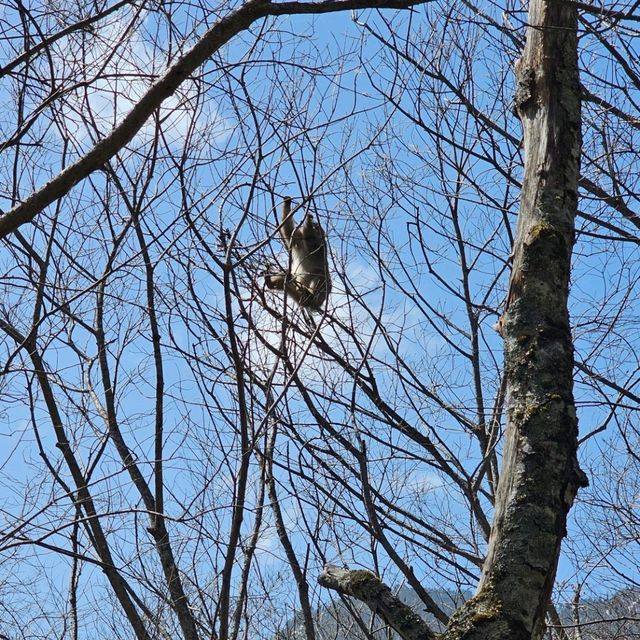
(525, 90)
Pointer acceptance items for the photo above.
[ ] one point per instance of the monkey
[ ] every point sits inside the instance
(307, 280)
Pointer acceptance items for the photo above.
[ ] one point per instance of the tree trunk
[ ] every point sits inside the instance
(540, 474)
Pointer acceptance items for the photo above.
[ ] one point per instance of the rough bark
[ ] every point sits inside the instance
(368, 588)
(540, 474)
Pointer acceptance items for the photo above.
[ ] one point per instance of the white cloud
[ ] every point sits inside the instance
(117, 68)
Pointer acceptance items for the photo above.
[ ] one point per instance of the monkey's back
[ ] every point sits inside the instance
(310, 270)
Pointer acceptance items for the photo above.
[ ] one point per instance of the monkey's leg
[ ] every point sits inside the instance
(276, 280)
(286, 282)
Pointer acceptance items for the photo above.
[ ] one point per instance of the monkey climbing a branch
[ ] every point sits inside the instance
(307, 280)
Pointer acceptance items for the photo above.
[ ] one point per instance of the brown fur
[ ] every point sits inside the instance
(307, 280)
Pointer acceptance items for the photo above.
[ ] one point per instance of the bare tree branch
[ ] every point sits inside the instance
(212, 41)
(47, 41)
(368, 588)
(540, 474)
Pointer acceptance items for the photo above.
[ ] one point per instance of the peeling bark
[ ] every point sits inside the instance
(540, 474)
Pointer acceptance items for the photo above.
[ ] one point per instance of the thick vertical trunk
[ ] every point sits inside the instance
(540, 473)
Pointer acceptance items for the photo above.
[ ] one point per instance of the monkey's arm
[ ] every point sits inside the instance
(287, 227)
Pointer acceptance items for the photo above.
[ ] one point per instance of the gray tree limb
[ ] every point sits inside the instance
(368, 588)
(540, 473)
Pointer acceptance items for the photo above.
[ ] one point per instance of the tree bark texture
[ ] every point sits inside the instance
(368, 588)
(540, 473)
